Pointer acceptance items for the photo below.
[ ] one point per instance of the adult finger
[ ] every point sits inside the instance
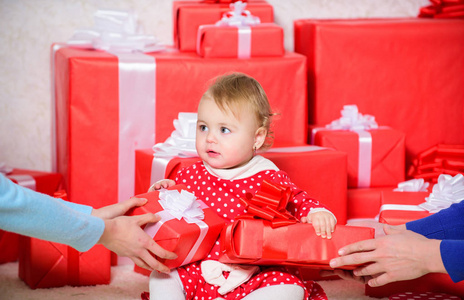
(146, 218)
(151, 263)
(351, 259)
(361, 246)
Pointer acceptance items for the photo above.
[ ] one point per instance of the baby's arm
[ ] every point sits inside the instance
(323, 222)
(163, 183)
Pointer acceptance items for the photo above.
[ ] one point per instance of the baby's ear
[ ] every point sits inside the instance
(260, 137)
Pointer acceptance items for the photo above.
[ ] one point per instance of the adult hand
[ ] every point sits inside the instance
(399, 255)
(124, 235)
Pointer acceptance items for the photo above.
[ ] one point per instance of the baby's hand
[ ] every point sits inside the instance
(323, 223)
(162, 184)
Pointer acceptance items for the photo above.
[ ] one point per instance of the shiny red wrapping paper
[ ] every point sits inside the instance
(220, 41)
(179, 236)
(44, 182)
(252, 241)
(439, 159)
(44, 264)
(321, 173)
(189, 15)
(401, 216)
(87, 108)
(405, 72)
(387, 156)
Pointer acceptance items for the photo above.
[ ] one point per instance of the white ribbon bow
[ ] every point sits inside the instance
(5, 169)
(351, 119)
(446, 191)
(115, 31)
(182, 139)
(413, 185)
(238, 17)
(181, 205)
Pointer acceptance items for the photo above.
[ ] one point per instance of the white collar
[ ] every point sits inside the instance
(254, 166)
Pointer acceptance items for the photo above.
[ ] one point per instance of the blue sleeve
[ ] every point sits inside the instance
(38, 215)
(448, 226)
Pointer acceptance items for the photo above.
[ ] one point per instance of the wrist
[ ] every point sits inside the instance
(434, 263)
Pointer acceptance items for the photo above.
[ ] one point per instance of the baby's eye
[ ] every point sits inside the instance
(202, 127)
(225, 130)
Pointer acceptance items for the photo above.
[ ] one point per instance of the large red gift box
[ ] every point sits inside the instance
(223, 41)
(387, 152)
(321, 172)
(252, 241)
(189, 15)
(43, 182)
(100, 118)
(400, 207)
(405, 72)
(44, 264)
(190, 241)
(365, 203)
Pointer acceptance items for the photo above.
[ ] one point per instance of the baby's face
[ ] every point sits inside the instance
(223, 140)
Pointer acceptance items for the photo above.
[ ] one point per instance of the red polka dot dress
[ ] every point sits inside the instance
(223, 196)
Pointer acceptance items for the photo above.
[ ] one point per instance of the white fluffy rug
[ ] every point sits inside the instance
(126, 284)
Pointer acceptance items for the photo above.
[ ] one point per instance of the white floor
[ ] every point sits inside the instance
(126, 284)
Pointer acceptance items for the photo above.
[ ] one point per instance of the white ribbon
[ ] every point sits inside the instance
(413, 185)
(446, 191)
(400, 207)
(115, 31)
(24, 180)
(177, 206)
(181, 143)
(354, 121)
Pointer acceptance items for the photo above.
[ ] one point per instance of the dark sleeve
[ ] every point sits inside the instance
(448, 226)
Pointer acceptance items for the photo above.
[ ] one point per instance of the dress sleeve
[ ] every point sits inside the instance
(38, 215)
(301, 203)
(448, 226)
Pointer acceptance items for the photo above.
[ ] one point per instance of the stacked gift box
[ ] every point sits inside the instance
(373, 71)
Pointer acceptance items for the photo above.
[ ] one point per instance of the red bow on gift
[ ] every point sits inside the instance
(269, 203)
(443, 9)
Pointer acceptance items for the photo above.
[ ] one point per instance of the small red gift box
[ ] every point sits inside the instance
(43, 182)
(327, 165)
(190, 241)
(251, 241)
(44, 264)
(189, 15)
(401, 207)
(386, 148)
(365, 203)
(269, 235)
(226, 41)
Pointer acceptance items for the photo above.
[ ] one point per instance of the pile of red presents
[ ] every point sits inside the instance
(399, 79)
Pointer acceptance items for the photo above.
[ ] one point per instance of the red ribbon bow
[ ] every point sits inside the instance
(269, 203)
(443, 9)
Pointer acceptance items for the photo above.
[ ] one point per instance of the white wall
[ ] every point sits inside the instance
(29, 27)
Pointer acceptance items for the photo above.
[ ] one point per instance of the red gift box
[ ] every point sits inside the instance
(224, 41)
(365, 203)
(43, 182)
(189, 15)
(379, 65)
(44, 264)
(190, 241)
(401, 207)
(326, 166)
(386, 150)
(91, 110)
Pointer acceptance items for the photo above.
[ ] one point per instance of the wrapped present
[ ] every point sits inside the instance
(375, 154)
(326, 166)
(188, 227)
(400, 92)
(43, 182)
(240, 35)
(44, 264)
(189, 15)
(437, 160)
(432, 283)
(131, 124)
(268, 235)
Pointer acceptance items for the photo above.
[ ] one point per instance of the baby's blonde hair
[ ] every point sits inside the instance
(239, 92)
